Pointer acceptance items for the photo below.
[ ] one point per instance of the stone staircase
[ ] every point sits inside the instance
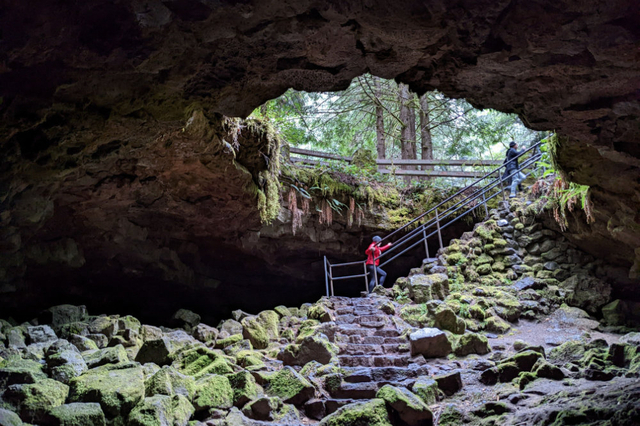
(372, 352)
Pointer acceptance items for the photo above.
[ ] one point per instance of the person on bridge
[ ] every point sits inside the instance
(513, 169)
(373, 253)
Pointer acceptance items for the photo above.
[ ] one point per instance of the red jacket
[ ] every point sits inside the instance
(375, 251)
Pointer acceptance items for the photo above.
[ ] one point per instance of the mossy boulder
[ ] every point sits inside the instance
(484, 269)
(409, 407)
(228, 341)
(312, 348)
(456, 258)
(9, 418)
(213, 391)
(200, 361)
(76, 414)
(169, 381)
(423, 288)
(497, 325)
(427, 389)
(471, 343)
(116, 390)
(573, 350)
(587, 292)
(369, 413)
(16, 370)
(59, 315)
(451, 415)
(244, 387)
(446, 319)
(261, 329)
(113, 355)
(64, 361)
(525, 360)
(319, 312)
(282, 311)
(36, 399)
(162, 350)
(546, 370)
(250, 360)
(290, 386)
(162, 410)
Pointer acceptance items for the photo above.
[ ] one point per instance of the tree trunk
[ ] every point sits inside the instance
(408, 132)
(425, 132)
(381, 145)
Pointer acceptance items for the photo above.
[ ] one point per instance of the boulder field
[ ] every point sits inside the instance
(515, 341)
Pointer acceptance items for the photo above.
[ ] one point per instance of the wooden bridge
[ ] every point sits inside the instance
(306, 157)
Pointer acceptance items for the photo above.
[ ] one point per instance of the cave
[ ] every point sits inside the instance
(121, 186)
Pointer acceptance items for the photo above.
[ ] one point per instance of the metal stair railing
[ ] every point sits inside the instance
(419, 234)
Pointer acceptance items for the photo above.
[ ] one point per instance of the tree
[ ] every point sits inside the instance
(425, 131)
(380, 138)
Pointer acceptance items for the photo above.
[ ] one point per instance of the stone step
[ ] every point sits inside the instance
(363, 390)
(387, 332)
(354, 330)
(365, 349)
(384, 374)
(374, 361)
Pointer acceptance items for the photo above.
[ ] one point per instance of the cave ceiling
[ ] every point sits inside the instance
(78, 76)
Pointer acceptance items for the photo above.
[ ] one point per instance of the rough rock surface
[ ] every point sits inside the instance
(101, 182)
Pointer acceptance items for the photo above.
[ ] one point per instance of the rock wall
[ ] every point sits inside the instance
(81, 83)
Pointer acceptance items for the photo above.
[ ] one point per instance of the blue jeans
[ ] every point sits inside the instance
(381, 276)
(516, 180)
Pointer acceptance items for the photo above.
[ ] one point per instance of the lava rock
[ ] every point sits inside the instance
(430, 342)
(449, 383)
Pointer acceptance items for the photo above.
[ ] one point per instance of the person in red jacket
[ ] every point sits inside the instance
(373, 252)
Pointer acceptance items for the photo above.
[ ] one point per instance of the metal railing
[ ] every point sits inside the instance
(440, 220)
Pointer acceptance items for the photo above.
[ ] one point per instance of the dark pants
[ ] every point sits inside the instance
(381, 276)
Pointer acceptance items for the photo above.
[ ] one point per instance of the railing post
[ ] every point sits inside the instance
(375, 274)
(366, 278)
(326, 276)
(426, 246)
(502, 188)
(486, 209)
(439, 232)
(331, 280)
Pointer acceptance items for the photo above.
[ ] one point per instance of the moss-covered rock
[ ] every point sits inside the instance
(282, 311)
(319, 312)
(250, 360)
(76, 414)
(169, 381)
(451, 415)
(213, 391)
(290, 386)
(16, 370)
(36, 399)
(261, 329)
(446, 319)
(545, 370)
(228, 341)
(162, 410)
(427, 389)
(201, 361)
(497, 325)
(411, 409)
(312, 348)
(113, 355)
(244, 387)
(525, 378)
(471, 343)
(484, 269)
(525, 360)
(573, 350)
(116, 390)
(370, 413)
(423, 288)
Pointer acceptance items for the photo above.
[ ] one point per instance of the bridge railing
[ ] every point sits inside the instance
(433, 221)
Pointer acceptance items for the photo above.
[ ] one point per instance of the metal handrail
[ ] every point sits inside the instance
(478, 192)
